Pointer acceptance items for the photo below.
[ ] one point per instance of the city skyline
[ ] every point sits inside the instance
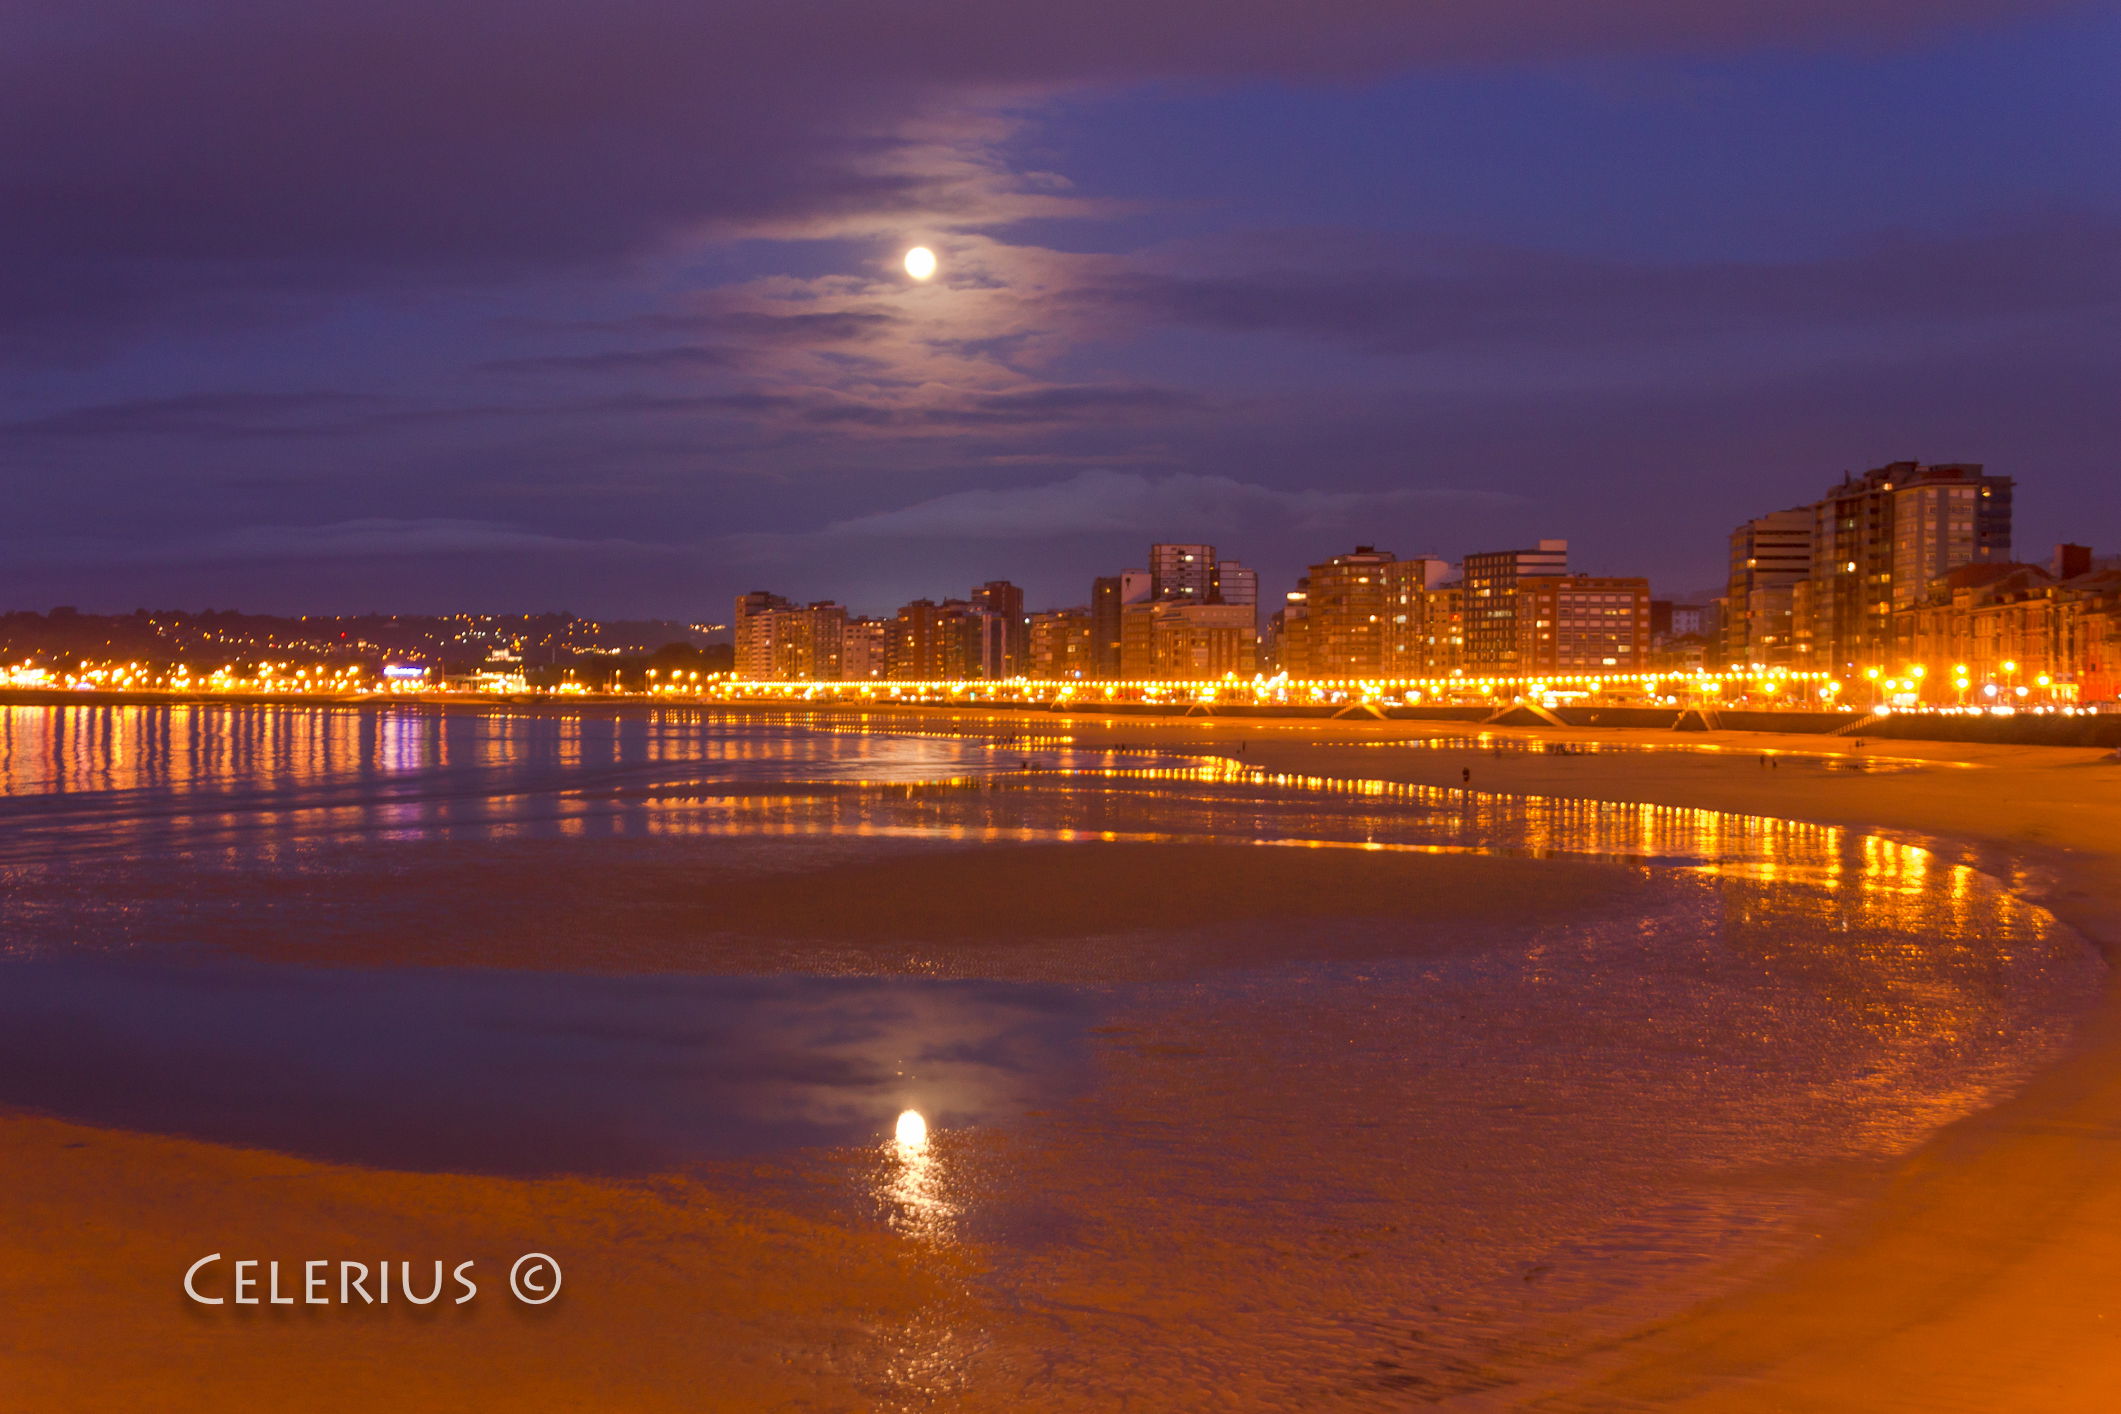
(1904, 564)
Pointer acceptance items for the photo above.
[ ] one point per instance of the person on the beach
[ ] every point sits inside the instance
(1465, 775)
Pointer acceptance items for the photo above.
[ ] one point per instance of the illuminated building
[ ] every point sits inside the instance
(1126, 629)
(1062, 645)
(1879, 539)
(1424, 618)
(1582, 623)
(1238, 584)
(865, 650)
(1183, 573)
(951, 641)
(1109, 597)
(1137, 641)
(1006, 602)
(754, 628)
(1345, 615)
(780, 641)
(1199, 642)
(1491, 580)
(1288, 644)
(1683, 636)
(1770, 556)
(2002, 627)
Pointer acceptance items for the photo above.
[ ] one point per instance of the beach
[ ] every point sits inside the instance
(1983, 1278)
(1969, 1276)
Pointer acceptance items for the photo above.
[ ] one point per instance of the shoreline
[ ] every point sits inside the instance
(1978, 1279)
(1982, 1278)
(2098, 730)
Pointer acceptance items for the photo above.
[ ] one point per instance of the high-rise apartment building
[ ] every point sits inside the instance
(1006, 602)
(751, 626)
(1137, 642)
(1770, 556)
(865, 650)
(1424, 619)
(1491, 580)
(1879, 540)
(780, 641)
(1238, 584)
(1198, 642)
(1288, 645)
(1184, 574)
(948, 642)
(1109, 597)
(1346, 612)
(1579, 623)
(1062, 646)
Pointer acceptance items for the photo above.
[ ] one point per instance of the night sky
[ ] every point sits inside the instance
(465, 304)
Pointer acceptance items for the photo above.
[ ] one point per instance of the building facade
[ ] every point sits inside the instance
(1184, 574)
(1425, 634)
(1491, 579)
(781, 641)
(1109, 597)
(953, 641)
(1063, 644)
(1346, 610)
(1878, 541)
(1200, 642)
(1582, 624)
(1006, 602)
(1238, 584)
(1769, 557)
(2000, 634)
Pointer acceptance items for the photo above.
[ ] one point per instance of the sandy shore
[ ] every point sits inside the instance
(1979, 1282)
(1985, 1279)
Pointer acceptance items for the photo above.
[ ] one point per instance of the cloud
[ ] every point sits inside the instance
(680, 358)
(755, 327)
(377, 538)
(211, 415)
(1120, 502)
(196, 161)
(1411, 298)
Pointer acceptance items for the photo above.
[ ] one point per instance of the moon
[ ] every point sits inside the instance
(920, 262)
(912, 1130)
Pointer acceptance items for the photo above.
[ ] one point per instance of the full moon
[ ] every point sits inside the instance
(920, 262)
(912, 1129)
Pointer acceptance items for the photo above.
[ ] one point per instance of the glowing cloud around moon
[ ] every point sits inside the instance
(920, 262)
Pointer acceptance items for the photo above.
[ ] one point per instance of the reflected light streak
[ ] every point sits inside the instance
(913, 1184)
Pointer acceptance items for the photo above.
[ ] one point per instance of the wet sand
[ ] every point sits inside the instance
(1978, 1281)
(1988, 1276)
(1058, 912)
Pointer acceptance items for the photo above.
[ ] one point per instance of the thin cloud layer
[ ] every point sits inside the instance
(552, 286)
(1122, 502)
(177, 161)
(1412, 297)
(373, 538)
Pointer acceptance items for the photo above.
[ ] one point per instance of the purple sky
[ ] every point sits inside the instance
(469, 305)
